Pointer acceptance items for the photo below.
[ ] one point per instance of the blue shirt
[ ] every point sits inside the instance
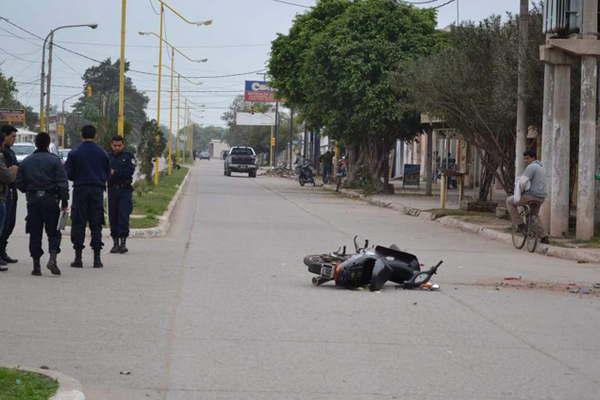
(88, 165)
(123, 165)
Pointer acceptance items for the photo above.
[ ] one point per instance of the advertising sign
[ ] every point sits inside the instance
(11, 116)
(259, 92)
(255, 119)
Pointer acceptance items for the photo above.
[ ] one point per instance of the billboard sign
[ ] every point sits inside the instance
(11, 116)
(255, 119)
(259, 92)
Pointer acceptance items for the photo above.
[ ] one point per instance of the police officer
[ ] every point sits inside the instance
(10, 135)
(42, 178)
(120, 205)
(89, 168)
(7, 176)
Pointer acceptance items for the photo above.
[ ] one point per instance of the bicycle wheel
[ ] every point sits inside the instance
(518, 237)
(532, 241)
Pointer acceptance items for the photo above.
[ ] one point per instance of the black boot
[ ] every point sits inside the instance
(6, 258)
(116, 246)
(37, 269)
(97, 259)
(123, 247)
(77, 263)
(52, 264)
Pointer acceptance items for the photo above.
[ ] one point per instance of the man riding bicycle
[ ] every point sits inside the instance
(531, 186)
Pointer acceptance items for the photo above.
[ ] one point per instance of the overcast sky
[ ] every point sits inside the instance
(237, 42)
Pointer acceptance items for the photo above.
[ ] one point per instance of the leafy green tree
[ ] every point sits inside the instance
(336, 66)
(472, 85)
(152, 144)
(8, 91)
(102, 107)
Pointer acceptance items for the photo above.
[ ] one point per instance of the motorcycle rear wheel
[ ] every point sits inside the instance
(315, 262)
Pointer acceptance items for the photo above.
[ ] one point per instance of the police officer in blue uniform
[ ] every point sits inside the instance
(10, 135)
(120, 204)
(89, 168)
(42, 178)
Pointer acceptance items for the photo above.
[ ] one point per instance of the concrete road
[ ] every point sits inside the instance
(223, 308)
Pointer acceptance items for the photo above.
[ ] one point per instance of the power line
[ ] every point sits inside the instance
(289, 3)
(17, 57)
(153, 8)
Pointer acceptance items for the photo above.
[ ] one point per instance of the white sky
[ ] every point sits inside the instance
(237, 42)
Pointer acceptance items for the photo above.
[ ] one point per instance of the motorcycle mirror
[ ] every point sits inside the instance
(366, 244)
(356, 248)
(344, 253)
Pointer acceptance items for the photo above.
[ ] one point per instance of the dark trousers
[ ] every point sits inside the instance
(120, 205)
(11, 217)
(43, 212)
(87, 208)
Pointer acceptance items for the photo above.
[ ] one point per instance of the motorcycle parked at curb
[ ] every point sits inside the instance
(370, 266)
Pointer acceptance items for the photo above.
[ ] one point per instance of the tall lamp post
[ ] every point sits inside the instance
(160, 48)
(173, 50)
(179, 76)
(43, 113)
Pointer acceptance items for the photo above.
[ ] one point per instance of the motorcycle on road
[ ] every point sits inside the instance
(305, 173)
(370, 266)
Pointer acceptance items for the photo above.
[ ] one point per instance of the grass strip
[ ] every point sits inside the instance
(22, 385)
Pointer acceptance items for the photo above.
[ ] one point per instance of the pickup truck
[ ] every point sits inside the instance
(241, 159)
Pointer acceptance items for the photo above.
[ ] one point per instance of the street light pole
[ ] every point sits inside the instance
(160, 47)
(43, 116)
(178, 114)
(49, 83)
(170, 141)
(121, 121)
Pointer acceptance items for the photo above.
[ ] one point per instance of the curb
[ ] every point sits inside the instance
(68, 388)
(164, 220)
(573, 254)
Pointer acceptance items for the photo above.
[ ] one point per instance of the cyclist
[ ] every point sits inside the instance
(532, 188)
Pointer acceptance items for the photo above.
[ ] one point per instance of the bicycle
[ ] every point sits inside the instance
(520, 236)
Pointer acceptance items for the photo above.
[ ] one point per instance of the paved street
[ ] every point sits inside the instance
(223, 308)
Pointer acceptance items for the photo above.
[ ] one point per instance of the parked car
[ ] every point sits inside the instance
(241, 159)
(22, 150)
(204, 155)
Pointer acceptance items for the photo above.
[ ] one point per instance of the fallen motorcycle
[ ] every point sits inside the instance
(370, 266)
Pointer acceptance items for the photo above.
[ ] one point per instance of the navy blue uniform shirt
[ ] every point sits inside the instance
(123, 165)
(88, 165)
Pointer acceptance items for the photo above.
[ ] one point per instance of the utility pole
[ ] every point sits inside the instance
(160, 48)
(121, 121)
(276, 132)
(291, 139)
(49, 83)
(170, 140)
(521, 140)
(587, 128)
(178, 115)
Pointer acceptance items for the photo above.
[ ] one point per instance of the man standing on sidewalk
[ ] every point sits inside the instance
(88, 167)
(7, 176)
(120, 203)
(43, 180)
(10, 135)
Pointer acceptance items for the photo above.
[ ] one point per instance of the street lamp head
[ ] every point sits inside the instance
(93, 26)
(207, 22)
(204, 60)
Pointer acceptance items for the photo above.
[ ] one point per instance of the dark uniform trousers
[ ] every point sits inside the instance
(87, 208)
(11, 217)
(120, 205)
(42, 212)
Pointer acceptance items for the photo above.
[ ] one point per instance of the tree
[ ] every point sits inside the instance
(336, 66)
(152, 144)
(472, 85)
(102, 107)
(8, 91)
